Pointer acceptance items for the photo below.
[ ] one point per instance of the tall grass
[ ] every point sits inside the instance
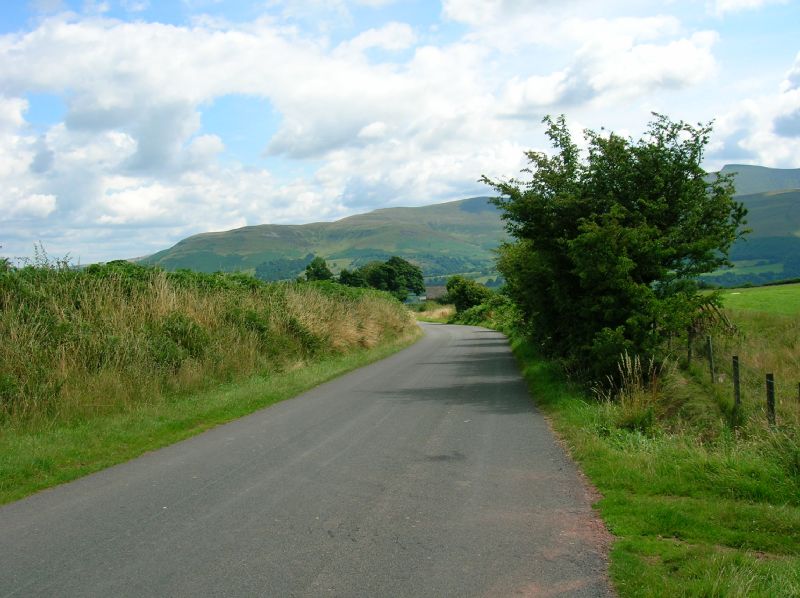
(78, 343)
(765, 343)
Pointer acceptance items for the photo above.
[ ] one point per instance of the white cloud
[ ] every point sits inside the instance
(722, 7)
(763, 130)
(18, 204)
(11, 113)
(415, 121)
(792, 80)
(392, 36)
(613, 67)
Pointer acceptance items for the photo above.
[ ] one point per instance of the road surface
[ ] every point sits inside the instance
(427, 474)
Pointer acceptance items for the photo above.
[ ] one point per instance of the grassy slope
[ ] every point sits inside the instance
(466, 229)
(759, 179)
(773, 214)
(778, 299)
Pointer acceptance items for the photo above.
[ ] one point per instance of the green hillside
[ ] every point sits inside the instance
(772, 249)
(760, 179)
(453, 237)
(458, 237)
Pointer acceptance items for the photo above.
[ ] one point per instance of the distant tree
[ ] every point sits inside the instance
(608, 248)
(396, 276)
(409, 276)
(352, 278)
(465, 293)
(317, 269)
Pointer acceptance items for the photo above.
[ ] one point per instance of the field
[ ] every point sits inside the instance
(778, 299)
(100, 365)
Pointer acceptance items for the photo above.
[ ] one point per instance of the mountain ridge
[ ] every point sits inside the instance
(459, 237)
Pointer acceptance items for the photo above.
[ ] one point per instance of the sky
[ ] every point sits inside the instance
(127, 125)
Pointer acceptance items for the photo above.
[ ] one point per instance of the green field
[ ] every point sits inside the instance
(779, 299)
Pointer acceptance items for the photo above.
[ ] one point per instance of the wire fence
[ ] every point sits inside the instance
(758, 387)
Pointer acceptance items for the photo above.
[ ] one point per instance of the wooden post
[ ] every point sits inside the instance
(737, 395)
(690, 337)
(771, 400)
(710, 352)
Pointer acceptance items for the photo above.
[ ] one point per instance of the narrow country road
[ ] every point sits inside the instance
(427, 474)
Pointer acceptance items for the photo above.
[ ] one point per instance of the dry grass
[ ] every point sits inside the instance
(78, 344)
(434, 312)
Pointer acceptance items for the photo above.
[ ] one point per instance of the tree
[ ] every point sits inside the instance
(465, 293)
(396, 276)
(608, 248)
(409, 276)
(317, 269)
(352, 278)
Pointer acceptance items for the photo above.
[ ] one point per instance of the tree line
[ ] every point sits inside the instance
(396, 276)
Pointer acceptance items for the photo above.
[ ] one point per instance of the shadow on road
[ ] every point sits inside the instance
(502, 397)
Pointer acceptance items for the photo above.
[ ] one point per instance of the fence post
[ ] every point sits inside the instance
(737, 396)
(710, 351)
(690, 338)
(771, 400)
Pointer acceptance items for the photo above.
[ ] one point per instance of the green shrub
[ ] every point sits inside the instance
(465, 293)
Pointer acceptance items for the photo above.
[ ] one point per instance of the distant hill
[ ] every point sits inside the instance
(772, 249)
(459, 237)
(443, 239)
(760, 179)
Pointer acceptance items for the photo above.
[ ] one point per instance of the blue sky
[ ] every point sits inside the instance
(126, 125)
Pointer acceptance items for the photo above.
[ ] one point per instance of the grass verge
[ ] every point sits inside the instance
(32, 459)
(713, 517)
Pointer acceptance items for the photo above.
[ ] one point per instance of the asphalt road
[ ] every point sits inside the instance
(427, 474)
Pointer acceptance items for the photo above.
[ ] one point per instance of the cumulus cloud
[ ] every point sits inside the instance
(761, 130)
(28, 206)
(615, 64)
(388, 116)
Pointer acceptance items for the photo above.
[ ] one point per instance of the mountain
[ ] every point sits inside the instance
(453, 237)
(749, 180)
(459, 237)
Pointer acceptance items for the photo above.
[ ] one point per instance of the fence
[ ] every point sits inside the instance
(755, 391)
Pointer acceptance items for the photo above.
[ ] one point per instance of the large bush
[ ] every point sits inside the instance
(465, 293)
(608, 246)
